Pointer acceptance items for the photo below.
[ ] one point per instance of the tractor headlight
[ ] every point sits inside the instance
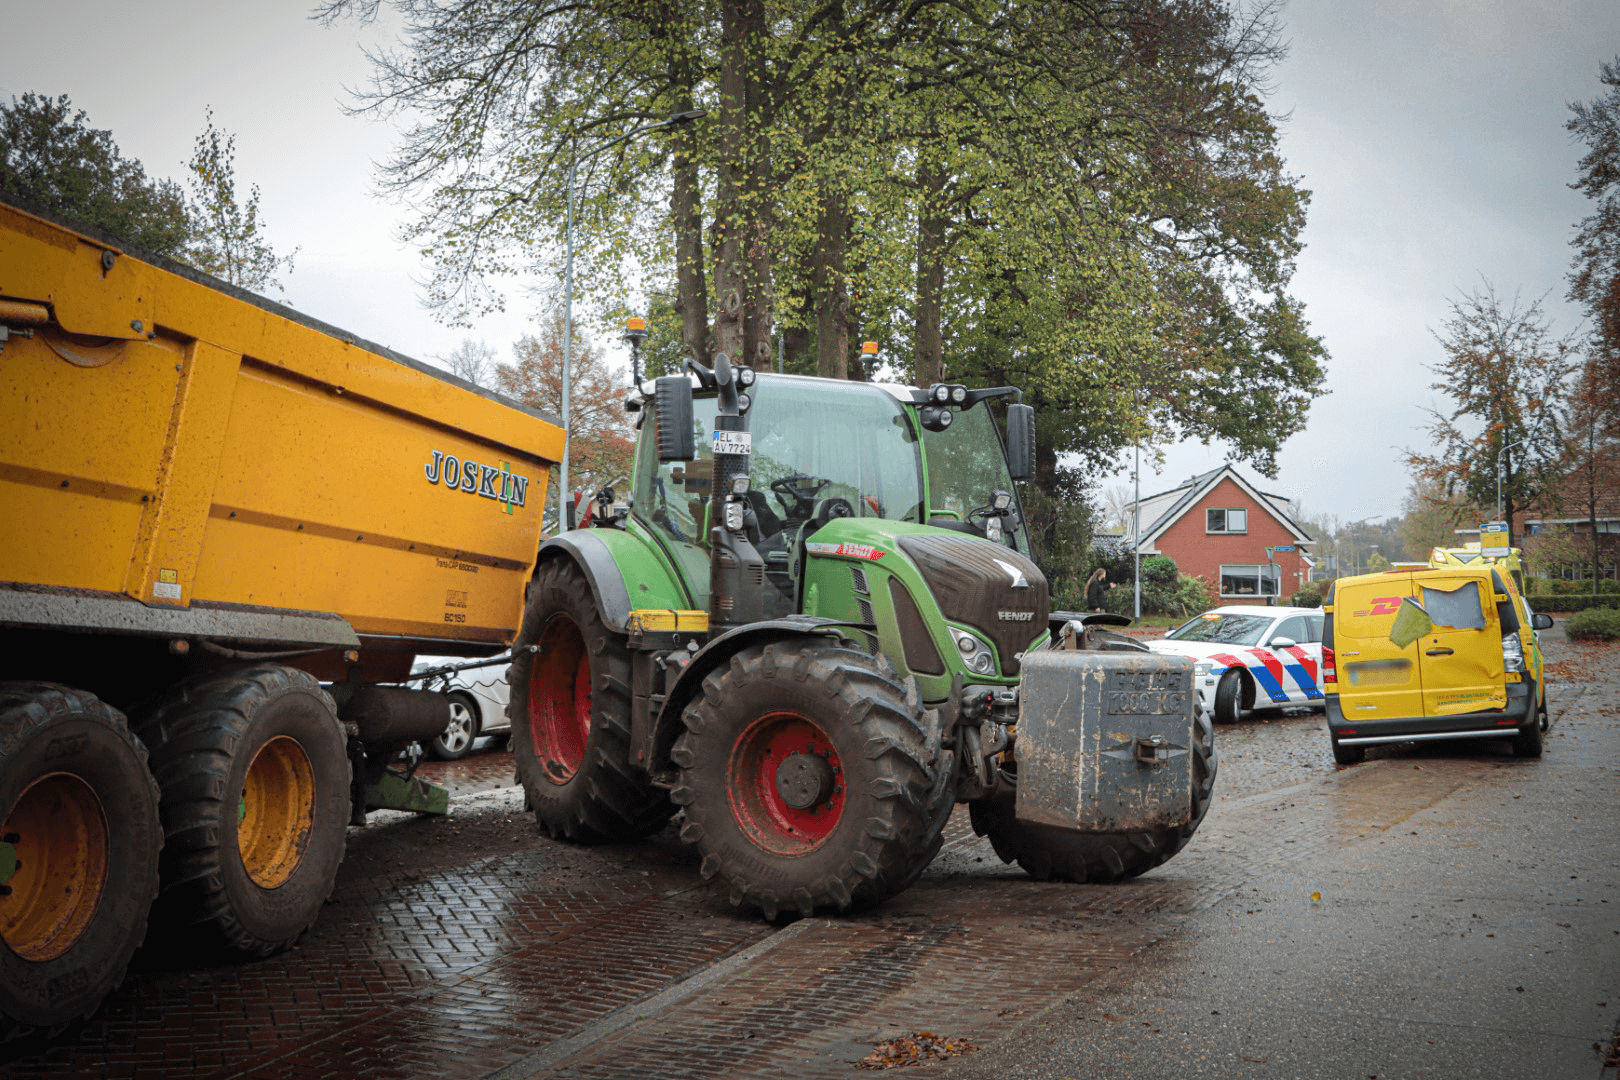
(981, 663)
(734, 516)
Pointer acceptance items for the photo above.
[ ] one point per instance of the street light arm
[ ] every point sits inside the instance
(563, 501)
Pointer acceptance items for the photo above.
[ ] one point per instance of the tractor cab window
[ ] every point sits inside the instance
(966, 465)
(824, 448)
(673, 496)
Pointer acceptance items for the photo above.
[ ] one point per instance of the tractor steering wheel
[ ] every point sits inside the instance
(797, 494)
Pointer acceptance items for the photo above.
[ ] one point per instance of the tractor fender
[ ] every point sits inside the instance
(713, 655)
(604, 555)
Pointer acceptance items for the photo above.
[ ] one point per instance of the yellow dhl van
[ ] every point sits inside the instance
(1436, 653)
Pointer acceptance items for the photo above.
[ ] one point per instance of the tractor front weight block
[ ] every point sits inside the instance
(1105, 741)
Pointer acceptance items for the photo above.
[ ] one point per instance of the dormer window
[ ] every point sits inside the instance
(1226, 521)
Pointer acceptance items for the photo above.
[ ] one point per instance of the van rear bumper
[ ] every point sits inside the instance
(1489, 724)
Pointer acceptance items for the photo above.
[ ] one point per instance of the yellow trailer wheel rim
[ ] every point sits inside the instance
(61, 843)
(276, 813)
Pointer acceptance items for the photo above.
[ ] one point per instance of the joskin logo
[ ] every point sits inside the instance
(501, 484)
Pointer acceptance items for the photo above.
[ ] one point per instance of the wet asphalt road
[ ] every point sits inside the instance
(1443, 912)
(1439, 912)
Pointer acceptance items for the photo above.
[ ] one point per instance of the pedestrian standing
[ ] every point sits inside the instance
(1096, 586)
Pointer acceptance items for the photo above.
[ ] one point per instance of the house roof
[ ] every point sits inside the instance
(1159, 512)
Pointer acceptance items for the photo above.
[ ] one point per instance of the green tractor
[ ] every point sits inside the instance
(814, 628)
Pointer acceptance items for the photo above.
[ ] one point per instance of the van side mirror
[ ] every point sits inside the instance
(1541, 622)
(673, 404)
(1021, 442)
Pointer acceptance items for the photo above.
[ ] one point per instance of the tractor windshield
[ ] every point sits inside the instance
(966, 464)
(814, 443)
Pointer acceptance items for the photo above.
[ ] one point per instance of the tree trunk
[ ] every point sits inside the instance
(931, 226)
(829, 282)
(742, 262)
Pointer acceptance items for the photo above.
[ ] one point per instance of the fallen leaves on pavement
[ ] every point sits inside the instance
(914, 1049)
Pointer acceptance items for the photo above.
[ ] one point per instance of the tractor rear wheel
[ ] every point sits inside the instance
(79, 841)
(254, 772)
(812, 777)
(1052, 854)
(570, 712)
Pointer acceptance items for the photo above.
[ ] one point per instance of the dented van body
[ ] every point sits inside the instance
(1445, 652)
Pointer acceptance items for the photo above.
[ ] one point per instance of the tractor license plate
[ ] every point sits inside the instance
(1105, 740)
(733, 442)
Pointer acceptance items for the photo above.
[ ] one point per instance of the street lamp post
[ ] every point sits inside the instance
(565, 505)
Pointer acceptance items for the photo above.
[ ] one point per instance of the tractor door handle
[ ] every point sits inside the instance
(1438, 652)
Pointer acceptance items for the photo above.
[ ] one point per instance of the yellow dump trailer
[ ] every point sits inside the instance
(219, 519)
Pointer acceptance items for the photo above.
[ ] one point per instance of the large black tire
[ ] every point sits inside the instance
(1229, 698)
(81, 810)
(255, 778)
(570, 712)
(1052, 854)
(812, 777)
(1348, 755)
(453, 743)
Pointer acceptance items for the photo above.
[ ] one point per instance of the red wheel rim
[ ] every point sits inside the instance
(560, 700)
(766, 817)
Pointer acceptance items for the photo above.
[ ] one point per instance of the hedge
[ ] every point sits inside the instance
(1573, 602)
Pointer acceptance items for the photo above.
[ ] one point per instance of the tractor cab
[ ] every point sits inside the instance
(821, 450)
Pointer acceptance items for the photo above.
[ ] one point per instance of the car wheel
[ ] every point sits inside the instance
(1229, 698)
(1348, 755)
(457, 738)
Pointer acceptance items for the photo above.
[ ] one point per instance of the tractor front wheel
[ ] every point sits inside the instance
(812, 777)
(1052, 854)
(79, 841)
(255, 779)
(570, 711)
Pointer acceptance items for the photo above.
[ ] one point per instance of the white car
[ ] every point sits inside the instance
(1248, 657)
(478, 699)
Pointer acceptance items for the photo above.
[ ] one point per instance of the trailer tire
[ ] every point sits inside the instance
(570, 712)
(252, 764)
(812, 777)
(76, 790)
(1052, 854)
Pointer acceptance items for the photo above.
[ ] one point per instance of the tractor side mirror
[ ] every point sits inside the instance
(1021, 442)
(673, 402)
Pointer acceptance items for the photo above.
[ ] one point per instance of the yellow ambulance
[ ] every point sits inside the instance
(1446, 652)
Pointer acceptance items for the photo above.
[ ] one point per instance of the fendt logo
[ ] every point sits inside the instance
(501, 484)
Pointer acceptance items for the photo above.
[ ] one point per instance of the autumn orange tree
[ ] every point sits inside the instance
(1508, 381)
(601, 440)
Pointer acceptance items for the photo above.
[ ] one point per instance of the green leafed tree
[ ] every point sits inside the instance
(52, 160)
(228, 238)
(1508, 380)
(1084, 198)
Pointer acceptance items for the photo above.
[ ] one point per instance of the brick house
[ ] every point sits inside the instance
(1218, 526)
(1568, 505)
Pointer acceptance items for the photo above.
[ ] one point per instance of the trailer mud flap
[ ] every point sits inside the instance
(1105, 740)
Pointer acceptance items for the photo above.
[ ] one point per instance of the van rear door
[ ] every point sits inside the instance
(1378, 680)
(1461, 657)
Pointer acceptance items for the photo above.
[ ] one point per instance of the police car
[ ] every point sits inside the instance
(1251, 658)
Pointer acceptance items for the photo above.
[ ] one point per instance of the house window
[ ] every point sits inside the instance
(1250, 580)
(1226, 521)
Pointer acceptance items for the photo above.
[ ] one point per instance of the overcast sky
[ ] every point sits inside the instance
(1429, 131)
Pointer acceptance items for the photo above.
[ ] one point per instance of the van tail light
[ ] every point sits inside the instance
(1330, 673)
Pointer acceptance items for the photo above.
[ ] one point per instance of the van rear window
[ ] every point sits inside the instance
(1456, 608)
